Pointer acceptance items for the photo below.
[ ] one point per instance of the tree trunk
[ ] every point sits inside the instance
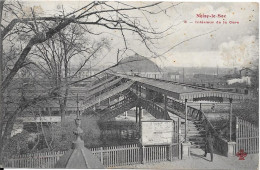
(64, 104)
(1, 95)
(1, 153)
(36, 39)
(6, 134)
(63, 101)
(62, 111)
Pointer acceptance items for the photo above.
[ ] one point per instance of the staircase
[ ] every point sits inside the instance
(101, 88)
(195, 129)
(171, 109)
(90, 103)
(195, 133)
(155, 109)
(118, 108)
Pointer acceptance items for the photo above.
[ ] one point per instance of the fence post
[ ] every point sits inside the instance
(170, 152)
(236, 134)
(12, 163)
(39, 161)
(143, 154)
(101, 155)
(231, 149)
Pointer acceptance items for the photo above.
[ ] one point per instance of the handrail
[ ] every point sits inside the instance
(148, 104)
(118, 108)
(202, 116)
(220, 143)
(151, 103)
(128, 99)
(102, 88)
(111, 93)
(207, 120)
(152, 107)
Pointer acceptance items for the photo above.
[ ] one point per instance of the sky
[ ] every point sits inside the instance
(189, 43)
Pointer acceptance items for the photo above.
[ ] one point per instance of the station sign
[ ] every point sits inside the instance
(157, 132)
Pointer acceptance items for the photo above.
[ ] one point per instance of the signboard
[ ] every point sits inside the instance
(159, 132)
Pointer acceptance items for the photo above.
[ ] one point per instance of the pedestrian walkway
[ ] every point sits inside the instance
(198, 161)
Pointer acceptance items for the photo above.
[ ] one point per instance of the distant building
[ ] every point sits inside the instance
(205, 76)
(83, 72)
(246, 72)
(139, 66)
(244, 79)
(245, 75)
(175, 76)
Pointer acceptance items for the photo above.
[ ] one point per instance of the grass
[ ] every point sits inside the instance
(246, 110)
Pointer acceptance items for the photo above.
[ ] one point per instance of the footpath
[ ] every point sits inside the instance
(198, 161)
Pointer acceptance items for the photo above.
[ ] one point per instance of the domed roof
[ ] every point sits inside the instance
(137, 63)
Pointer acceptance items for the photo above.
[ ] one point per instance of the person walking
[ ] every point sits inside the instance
(209, 145)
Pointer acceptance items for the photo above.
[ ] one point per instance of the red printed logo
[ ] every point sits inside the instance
(241, 154)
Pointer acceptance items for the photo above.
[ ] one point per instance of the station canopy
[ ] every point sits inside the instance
(182, 91)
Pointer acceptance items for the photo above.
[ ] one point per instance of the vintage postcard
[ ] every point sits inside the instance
(129, 84)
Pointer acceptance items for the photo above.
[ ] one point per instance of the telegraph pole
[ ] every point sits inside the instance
(230, 120)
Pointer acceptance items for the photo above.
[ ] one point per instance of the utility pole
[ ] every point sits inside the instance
(186, 121)
(230, 120)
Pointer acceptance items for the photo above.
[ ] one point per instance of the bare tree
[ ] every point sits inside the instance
(93, 14)
(31, 29)
(53, 58)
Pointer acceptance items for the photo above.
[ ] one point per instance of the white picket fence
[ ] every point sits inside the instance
(113, 156)
(36, 160)
(118, 155)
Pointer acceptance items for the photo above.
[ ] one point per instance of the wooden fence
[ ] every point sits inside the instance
(118, 155)
(247, 136)
(36, 160)
(113, 156)
(160, 153)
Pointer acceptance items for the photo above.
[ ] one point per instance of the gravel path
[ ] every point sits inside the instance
(197, 161)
